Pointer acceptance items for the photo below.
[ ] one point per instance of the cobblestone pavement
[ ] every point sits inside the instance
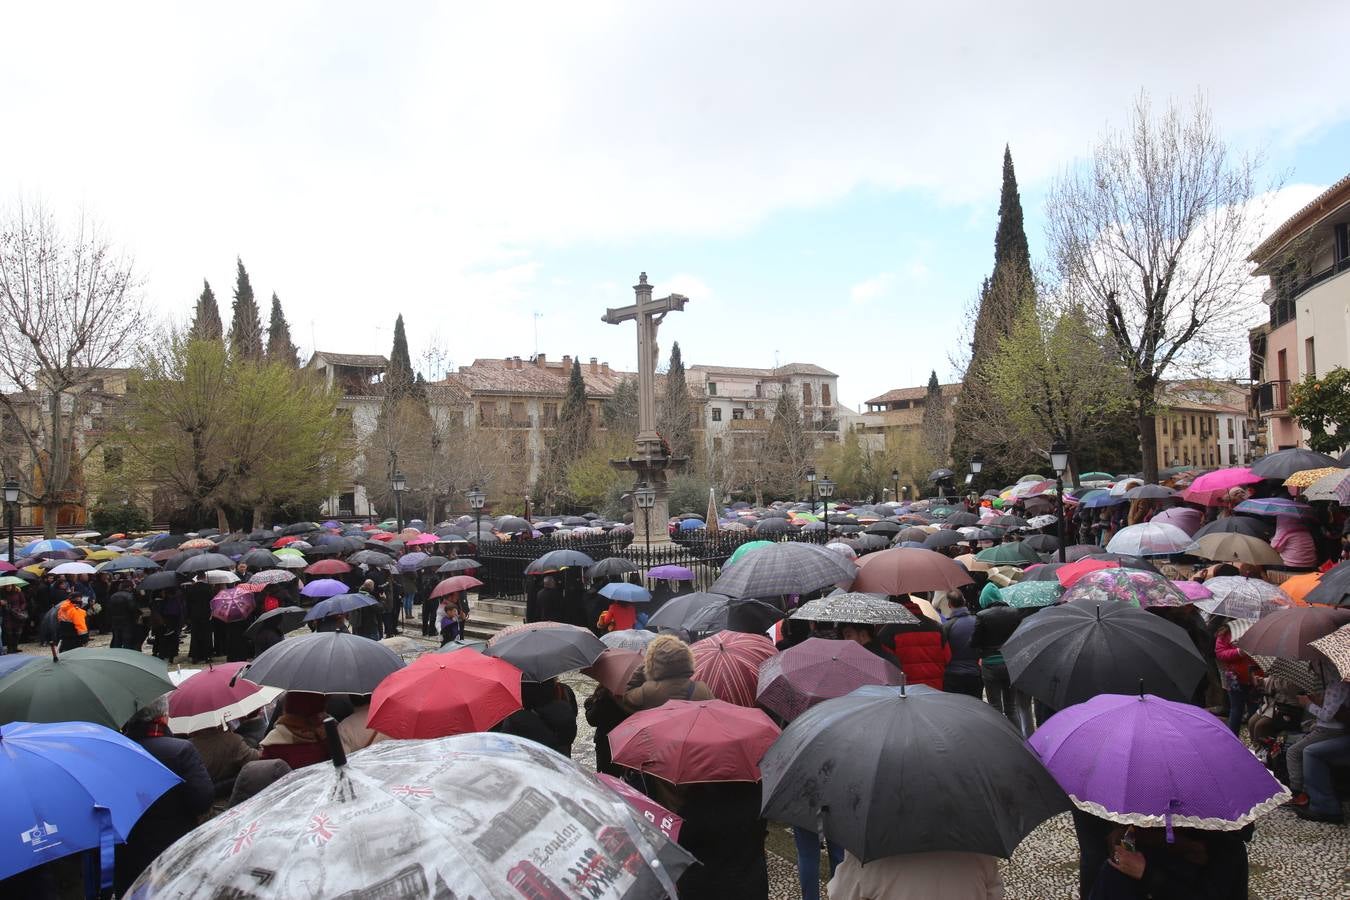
(1290, 859)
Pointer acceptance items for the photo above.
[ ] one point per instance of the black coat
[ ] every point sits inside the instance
(723, 830)
(120, 610)
(170, 817)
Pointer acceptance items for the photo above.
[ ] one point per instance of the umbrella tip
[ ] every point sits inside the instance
(55, 657)
(1141, 689)
(902, 684)
(335, 750)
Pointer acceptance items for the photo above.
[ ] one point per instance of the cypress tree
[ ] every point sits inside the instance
(936, 429)
(246, 325)
(676, 419)
(280, 348)
(206, 317)
(399, 378)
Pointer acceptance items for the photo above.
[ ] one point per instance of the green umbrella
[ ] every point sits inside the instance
(1012, 554)
(941, 512)
(1026, 594)
(86, 685)
(748, 547)
(11, 581)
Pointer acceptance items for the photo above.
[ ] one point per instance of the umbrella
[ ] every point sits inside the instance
(544, 650)
(513, 525)
(1069, 653)
(272, 576)
(283, 618)
(1030, 594)
(1257, 528)
(692, 742)
(627, 593)
(1283, 463)
(1210, 488)
(213, 697)
(204, 562)
(612, 567)
(129, 563)
(939, 539)
(1287, 633)
(728, 663)
(297, 562)
(323, 588)
(787, 568)
(671, 573)
(218, 576)
(1308, 477)
(1232, 546)
(678, 611)
(939, 475)
(158, 581)
(1275, 506)
(12, 662)
(1336, 648)
(339, 605)
(628, 639)
(233, 605)
(410, 818)
(325, 662)
(908, 571)
(614, 668)
(1331, 486)
(73, 568)
(744, 550)
(86, 685)
(817, 669)
(454, 585)
(1042, 543)
(1014, 553)
(258, 558)
(445, 693)
(1333, 587)
(1242, 598)
(847, 766)
(1010, 522)
(1100, 499)
(665, 821)
(336, 566)
(458, 565)
(1146, 761)
(1192, 590)
(749, 616)
(71, 786)
(856, 609)
(1133, 586)
(1149, 539)
(559, 559)
(373, 558)
(1299, 586)
(1149, 492)
(45, 546)
(1187, 518)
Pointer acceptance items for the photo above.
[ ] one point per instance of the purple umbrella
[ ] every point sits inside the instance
(233, 604)
(1187, 518)
(1193, 590)
(324, 588)
(671, 573)
(408, 561)
(1142, 760)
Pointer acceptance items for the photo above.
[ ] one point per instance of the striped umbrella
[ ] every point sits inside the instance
(728, 662)
(1335, 485)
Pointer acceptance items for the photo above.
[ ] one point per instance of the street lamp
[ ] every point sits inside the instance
(476, 500)
(400, 485)
(645, 495)
(11, 498)
(826, 488)
(1059, 461)
(810, 487)
(895, 476)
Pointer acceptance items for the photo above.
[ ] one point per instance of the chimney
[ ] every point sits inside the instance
(567, 364)
(595, 366)
(604, 367)
(541, 360)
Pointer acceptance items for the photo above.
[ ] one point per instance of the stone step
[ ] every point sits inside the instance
(484, 624)
(500, 606)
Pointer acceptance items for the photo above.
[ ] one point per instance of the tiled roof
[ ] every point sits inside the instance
(1328, 201)
(780, 372)
(914, 393)
(359, 360)
(501, 376)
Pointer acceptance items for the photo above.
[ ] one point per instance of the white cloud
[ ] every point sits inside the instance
(864, 292)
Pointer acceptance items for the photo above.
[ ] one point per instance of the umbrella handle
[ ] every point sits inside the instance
(335, 749)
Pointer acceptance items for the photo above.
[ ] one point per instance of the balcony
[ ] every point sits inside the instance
(1271, 397)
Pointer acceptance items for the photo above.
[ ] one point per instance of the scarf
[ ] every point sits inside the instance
(293, 729)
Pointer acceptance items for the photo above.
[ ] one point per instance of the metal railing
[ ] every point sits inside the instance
(1271, 396)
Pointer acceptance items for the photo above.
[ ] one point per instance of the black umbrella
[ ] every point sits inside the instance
(164, 542)
(1333, 587)
(746, 616)
(205, 563)
(939, 475)
(258, 559)
(1071, 653)
(234, 548)
(1044, 573)
(545, 650)
(884, 527)
(913, 533)
(1011, 521)
(612, 567)
(283, 618)
(301, 528)
(513, 524)
(1042, 543)
(678, 611)
(432, 562)
(1075, 552)
(326, 662)
(173, 562)
(262, 534)
(787, 568)
(773, 526)
(1238, 524)
(939, 539)
(1150, 492)
(158, 581)
(458, 565)
(849, 765)
(962, 519)
(370, 558)
(339, 605)
(1283, 463)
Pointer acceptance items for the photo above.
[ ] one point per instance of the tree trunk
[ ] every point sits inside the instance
(257, 517)
(1148, 436)
(222, 521)
(51, 511)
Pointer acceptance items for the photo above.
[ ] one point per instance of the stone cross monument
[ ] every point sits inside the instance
(652, 460)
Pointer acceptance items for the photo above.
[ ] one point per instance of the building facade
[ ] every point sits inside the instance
(897, 415)
(1203, 423)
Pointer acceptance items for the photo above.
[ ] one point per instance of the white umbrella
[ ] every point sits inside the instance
(218, 576)
(1149, 539)
(73, 568)
(291, 562)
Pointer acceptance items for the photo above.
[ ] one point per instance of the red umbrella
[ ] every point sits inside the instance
(728, 662)
(454, 584)
(908, 570)
(328, 567)
(614, 668)
(441, 694)
(1071, 572)
(210, 699)
(653, 812)
(816, 670)
(234, 604)
(694, 741)
(284, 541)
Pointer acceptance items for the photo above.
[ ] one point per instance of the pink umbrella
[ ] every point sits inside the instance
(728, 662)
(1193, 590)
(1186, 518)
(1210, 487)
(454, 584)
(420, 540)
(665, 820)
(234, 604)
(210, 699)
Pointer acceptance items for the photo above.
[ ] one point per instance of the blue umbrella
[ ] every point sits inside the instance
(324, 588)
(68, 787)
(625, 592)
(342, 603)
(47, 546)
(1100, 498)
(11, 661)
(691, 525)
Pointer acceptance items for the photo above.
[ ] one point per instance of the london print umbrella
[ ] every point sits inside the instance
(441, 694)
(325, 662)
(817, 669)
(102, 686)
(787, 568)
(855, 608)
(728, 663)
(1146, 761)
(214, 696)
(1242, 598)
(1075, 651)
(71, 786)
(694, 741)
(1133, 586)
(848, 765)
(480, 812)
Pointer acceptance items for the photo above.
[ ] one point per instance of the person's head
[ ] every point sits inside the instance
(861, 634)
(956, 599)
(368, 586)
(667, 656)
(154, 713)
(549, 582)
(1224, 570)
(305, 705)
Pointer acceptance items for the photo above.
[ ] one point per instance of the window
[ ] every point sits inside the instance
(112, 459)
(1282, 366)
(1164, 425)
(759, 414)
(487, 413)
(550, 415)
(712, 389)
(1309, 358)
(518, 413)
(825, 395)
(806, 395)
(1193, 425)
(717, 414)
(738, 414)
(1342, 242)
(1230, 429)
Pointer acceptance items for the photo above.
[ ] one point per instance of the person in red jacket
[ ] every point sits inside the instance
(919, 648)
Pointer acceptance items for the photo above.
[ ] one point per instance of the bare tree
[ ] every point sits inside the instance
(1150, 238)
(71, 309)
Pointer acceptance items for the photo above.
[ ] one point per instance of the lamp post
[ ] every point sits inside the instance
(895, 477)
(976, 467)
(810, 487)
(1059, 461)
(826, 488)
(476, 500)
(400, 485)
(645, 495)
(11, 498)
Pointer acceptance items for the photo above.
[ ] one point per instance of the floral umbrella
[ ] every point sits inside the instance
(1137, 587)
(1029, 594)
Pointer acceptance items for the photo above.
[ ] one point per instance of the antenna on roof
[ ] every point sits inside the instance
(775, 359)
(537, 316)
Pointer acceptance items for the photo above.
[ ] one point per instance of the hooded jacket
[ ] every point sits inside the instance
(667, 673)
(920, 649)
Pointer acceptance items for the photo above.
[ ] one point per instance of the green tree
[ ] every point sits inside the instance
(675, 419)
(206, 317)
(620, 411)
(246, 340)
(936, 424)
(1322, 408)
(400, 380)
(848, 465)
(280, 347)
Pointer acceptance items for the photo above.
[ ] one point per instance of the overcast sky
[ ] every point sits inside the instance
(820, 180)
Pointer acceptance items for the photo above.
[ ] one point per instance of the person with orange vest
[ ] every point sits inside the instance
(72, 623)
